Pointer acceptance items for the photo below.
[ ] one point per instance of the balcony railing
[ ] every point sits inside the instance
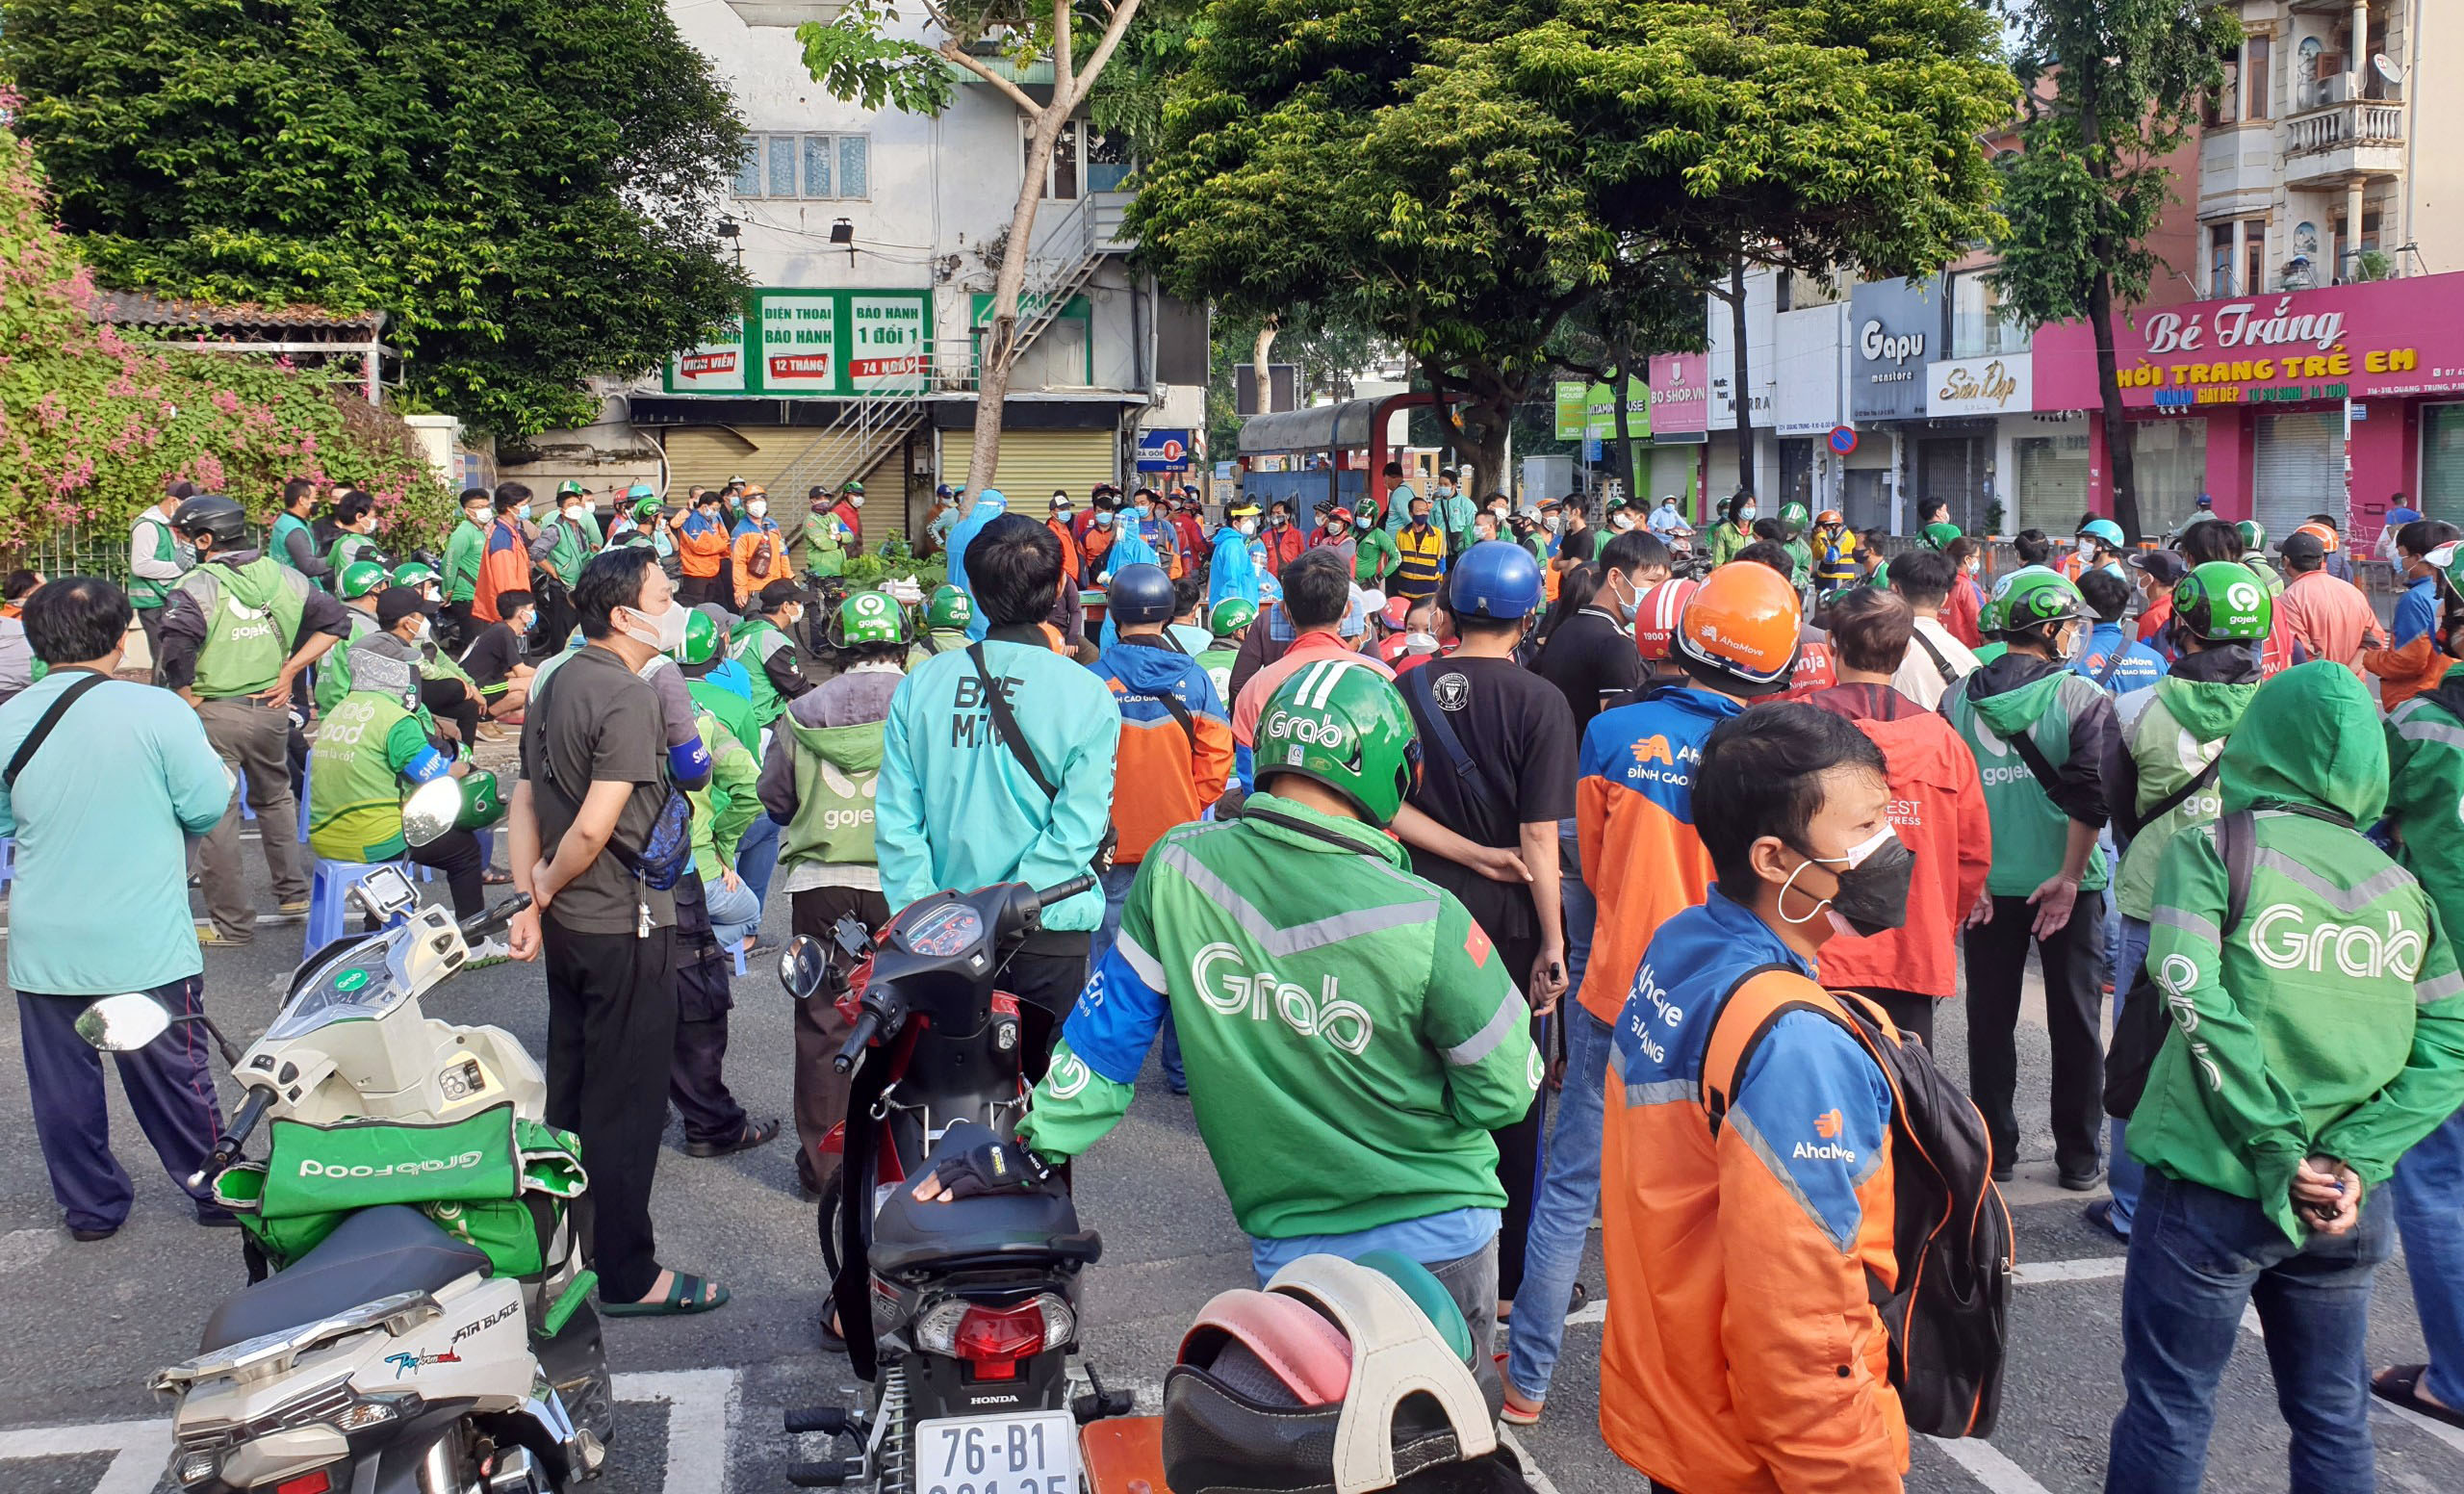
(2343, 127)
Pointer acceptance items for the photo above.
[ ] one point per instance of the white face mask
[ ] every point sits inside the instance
(1417, 642)
(420, 633)
(759, 508)
(665, 630)
(1623, 521)
(1248, 527)
(572, 513)
(856, 502)
(478, 516)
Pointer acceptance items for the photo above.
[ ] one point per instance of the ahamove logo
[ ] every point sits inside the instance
(1828, 1125)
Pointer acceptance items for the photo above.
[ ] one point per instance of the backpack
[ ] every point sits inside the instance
(2145, 1022)
(1952, 1231)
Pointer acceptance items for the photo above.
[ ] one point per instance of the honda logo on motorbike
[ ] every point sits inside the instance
(1227, 988)
(2279, 939)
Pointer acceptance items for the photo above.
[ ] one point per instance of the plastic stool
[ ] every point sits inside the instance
(330, 912)
(739, 959)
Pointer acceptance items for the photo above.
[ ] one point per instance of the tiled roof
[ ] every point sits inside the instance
(136, 308)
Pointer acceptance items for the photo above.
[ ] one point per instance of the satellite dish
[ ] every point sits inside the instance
(2389, 69)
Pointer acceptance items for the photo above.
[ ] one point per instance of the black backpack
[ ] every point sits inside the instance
(2139, 1032)
(1946, 1316)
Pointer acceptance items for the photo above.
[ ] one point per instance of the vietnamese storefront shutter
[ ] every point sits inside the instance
(2053, 483)
(2299, 470)
(1036, 462)
(2443, 462)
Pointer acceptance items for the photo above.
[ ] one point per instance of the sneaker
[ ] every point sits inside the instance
(209, 937)
(489, 951)
(2082, 1183)
(293, 912)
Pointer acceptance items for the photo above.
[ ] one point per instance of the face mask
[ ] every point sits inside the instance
(858, 501)
(1623, 521)
(1103, 521)
(666, 631)
(1143, 510)
(2442, 557)
(1282, 521)
(1872, 896)
(1446, 490)
(1420, 521)
(1557, 524)
(525, 622)
(1417, 642)
(572, 513)
(1626, 609)
(1061, 513)
(478, 516)
(1973, 567)
(1248, 527)
(1335, 527)
(759, 508)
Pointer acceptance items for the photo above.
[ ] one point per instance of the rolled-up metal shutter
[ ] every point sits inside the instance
(1035, 462)
(2053, 483)
(2443, 462)
(2299, 470)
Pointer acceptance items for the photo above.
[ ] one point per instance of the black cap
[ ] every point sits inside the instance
(2301, 549)
(780, 593)
(396, 603)
(2163, 564)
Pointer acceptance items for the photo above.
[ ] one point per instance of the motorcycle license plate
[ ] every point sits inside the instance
(1033, 1453)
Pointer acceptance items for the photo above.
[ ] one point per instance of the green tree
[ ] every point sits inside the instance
(529, 189)
(2113, 86)
(1465, 175)
(856, 56)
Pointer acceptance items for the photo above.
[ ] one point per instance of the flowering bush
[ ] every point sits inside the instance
(94, 419)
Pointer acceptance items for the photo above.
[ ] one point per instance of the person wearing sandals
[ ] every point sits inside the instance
(593, 785)
(2425, 784)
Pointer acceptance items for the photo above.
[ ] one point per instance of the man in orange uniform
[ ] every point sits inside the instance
(1936, 805)
(1742, 1354)
(758, 551)
(1737, 641)
(702, 544)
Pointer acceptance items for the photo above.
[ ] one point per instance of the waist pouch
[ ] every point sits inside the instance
(493, 1180)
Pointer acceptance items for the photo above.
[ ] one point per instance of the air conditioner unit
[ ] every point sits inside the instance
(2338, 88)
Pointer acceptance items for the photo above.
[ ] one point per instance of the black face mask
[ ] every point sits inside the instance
(1872, 896)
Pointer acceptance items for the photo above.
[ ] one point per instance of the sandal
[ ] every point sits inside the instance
(686, 1294)
(2403, 1386)
(755, 1133)
(494, 878)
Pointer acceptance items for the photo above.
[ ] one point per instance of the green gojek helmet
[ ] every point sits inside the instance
(1346, 726)
(412, 573)
(701, 639)
(482, 805)
(950, 606)
(870, 617)
(2254, 536)
(2221, 601)
(360, 578)
(2029, 597)
(1794, 517)
(645, 509)
(570, 487)
(1231, 615)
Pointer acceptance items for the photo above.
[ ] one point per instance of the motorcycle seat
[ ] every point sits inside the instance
(375, 1253)
(1038, 1225)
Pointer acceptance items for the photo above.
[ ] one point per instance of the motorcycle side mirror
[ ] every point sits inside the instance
(123, 1024)
(803, 966)
(430, 814)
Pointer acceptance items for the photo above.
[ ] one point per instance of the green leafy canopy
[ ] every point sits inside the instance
(529, 189)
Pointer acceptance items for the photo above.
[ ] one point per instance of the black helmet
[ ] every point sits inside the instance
(1140, 594)
(214, 515)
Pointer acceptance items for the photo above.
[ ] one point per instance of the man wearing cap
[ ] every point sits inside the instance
(765, 646)
(2157, 571)
(156, 561)
(1374, 557)
(851, 513)
(702, 539)
(1064, 528)
(756, 548)
(827, 537)
(2330, 618)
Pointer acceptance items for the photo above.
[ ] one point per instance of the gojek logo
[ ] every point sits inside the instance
(2279, 939)
(1228, 988)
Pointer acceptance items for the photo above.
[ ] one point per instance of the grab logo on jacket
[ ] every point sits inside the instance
(2279, 939)
(1229, 990)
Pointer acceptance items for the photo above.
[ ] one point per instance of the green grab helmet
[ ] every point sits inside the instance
(2254, 536)
(701, 639)
(571, 487)
(2221, 601)
(950, 607)
(645, 507)
(870, 617)
(360, 578)
(1794, 517)
(1231, 615)
(1346, 726)
(2030, 597)
(482, 805)
(412, 573)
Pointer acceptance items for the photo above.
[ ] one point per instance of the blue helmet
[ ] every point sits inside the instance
(1495, 578)
(1140, 594)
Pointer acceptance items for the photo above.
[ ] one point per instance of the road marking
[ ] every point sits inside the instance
(1540, 1480)
(2389, 1410)
(2095, 1268)
(1989, 1466)
(702, 1410)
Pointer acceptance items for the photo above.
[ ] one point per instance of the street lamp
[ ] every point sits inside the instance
(844, 231)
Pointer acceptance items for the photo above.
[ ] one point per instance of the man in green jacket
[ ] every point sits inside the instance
(947, 616)
(2047, 746)
(2314, 1040)
(1350, 1034)
(2167, 782)
(463, 548)
(357, 585)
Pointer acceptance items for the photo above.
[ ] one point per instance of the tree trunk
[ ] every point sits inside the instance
(1000, 348)
(1485, 444)
(1738, 371)
(2118, 443)
(1617, 376)
(1258, 364)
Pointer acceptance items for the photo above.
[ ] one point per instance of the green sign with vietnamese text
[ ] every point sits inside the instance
(1588, 411)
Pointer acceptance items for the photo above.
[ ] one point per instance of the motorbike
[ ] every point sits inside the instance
(389, 1355)
(962, 1315)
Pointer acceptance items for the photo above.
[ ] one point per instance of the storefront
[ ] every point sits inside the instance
(1894, 328)
(2280, 406)
(1680, 428)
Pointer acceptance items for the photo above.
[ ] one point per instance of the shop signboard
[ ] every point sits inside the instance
(1894, 327)
(1804, 370)
(1588, 412)
(1163, 450)
(1570, 394)
(1681, 398)
(2384, 340)
(885, 340)
(829, 344)
(714, 367)
(1996, 384)
(796, 347)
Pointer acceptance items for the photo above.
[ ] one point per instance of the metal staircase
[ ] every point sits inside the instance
(1070, 248)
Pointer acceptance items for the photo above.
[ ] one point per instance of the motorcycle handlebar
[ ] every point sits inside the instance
(496, 919)
(1068, 890)
(227, 1148)
(866, 1026)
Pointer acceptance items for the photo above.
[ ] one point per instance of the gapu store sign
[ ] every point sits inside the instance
(835, 343)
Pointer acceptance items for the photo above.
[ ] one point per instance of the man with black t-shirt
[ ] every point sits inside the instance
(1499, 755)
(494, 659)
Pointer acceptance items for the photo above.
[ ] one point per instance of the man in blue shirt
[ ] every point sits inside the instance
(2122, 665)
(100, 809)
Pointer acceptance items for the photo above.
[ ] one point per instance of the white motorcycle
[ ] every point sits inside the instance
(389, 1355)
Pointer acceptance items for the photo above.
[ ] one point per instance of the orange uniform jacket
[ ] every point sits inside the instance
(1937, 806)
(1635, 814)
(751, 541)
(701, 544)
(1165, 776)
(1742, 1354)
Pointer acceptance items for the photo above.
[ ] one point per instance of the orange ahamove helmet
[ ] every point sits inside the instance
(1655, 617)
(2325, 534)
(1739, 630)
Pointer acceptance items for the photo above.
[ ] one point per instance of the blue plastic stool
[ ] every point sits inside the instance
(739, 959)
(330, 912)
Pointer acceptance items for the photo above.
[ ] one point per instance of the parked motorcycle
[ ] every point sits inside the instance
(443, 1349)
(962, 1315)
